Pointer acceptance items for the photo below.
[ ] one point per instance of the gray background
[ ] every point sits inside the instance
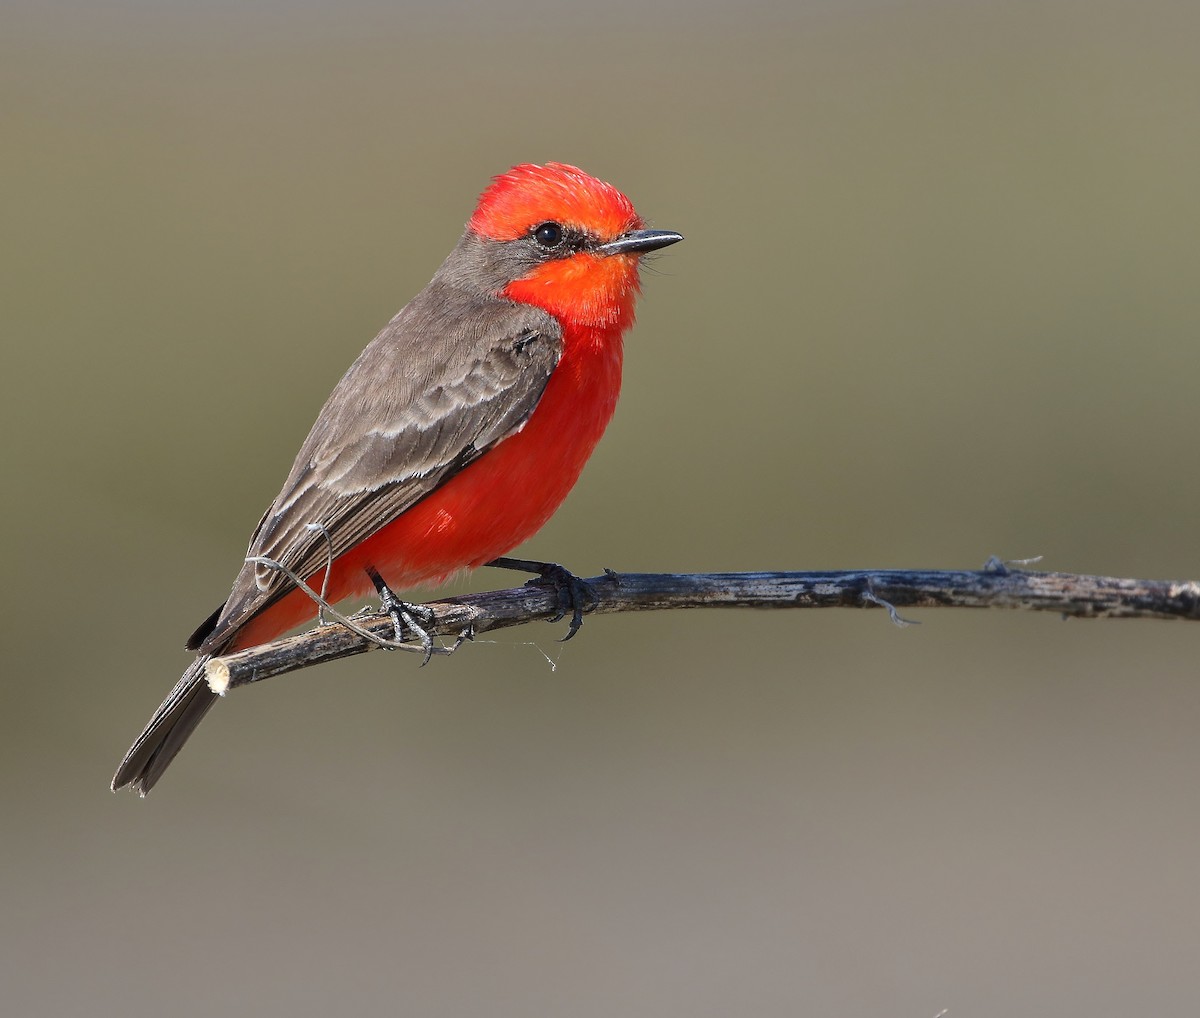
(938, 301)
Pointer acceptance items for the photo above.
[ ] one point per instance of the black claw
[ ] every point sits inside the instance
(404, 615)
(574, 595)
(425, 639)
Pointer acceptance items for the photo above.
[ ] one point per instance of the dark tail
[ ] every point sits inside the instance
(164, 736)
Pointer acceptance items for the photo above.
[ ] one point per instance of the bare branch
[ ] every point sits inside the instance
(993, 587)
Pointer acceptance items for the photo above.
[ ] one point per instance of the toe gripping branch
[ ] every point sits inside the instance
(574, 595)
(405, 616)
(414, 617)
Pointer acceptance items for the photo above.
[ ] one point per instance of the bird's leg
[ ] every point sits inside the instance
(574, 594)
(404, 614)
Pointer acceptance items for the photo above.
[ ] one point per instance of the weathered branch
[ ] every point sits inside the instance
(992, 587)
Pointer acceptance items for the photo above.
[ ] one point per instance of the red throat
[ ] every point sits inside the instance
(585, 292)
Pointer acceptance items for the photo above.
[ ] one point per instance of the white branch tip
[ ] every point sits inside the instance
(216, 672)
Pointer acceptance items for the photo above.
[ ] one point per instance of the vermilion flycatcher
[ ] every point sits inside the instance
(454, 436)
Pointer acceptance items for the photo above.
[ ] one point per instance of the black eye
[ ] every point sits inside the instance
(548, 234)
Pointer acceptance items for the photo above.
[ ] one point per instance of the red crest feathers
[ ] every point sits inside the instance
(529, 194)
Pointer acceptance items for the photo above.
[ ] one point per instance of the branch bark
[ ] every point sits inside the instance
(995, 586)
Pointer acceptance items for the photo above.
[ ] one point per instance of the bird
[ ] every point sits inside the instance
(453, 437)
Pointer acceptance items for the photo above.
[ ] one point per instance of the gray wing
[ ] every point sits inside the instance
(415, 408)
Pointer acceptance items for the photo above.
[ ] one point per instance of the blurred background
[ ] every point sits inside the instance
(938, 301)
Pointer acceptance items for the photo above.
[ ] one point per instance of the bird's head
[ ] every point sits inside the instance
(566, 242)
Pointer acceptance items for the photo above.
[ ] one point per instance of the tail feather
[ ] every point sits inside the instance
(167, 731)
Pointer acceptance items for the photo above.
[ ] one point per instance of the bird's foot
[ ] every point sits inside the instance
(406, 617)
(574, 595)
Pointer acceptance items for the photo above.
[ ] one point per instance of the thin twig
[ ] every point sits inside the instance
(995, 586)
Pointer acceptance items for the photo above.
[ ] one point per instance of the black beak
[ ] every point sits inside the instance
(639, 242)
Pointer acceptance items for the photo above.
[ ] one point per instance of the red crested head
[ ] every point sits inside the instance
(530, 194)
(568, 243)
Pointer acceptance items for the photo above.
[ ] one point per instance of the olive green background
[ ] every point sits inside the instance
(938, 301)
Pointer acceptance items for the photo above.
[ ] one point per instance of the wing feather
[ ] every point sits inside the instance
(450, 376)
